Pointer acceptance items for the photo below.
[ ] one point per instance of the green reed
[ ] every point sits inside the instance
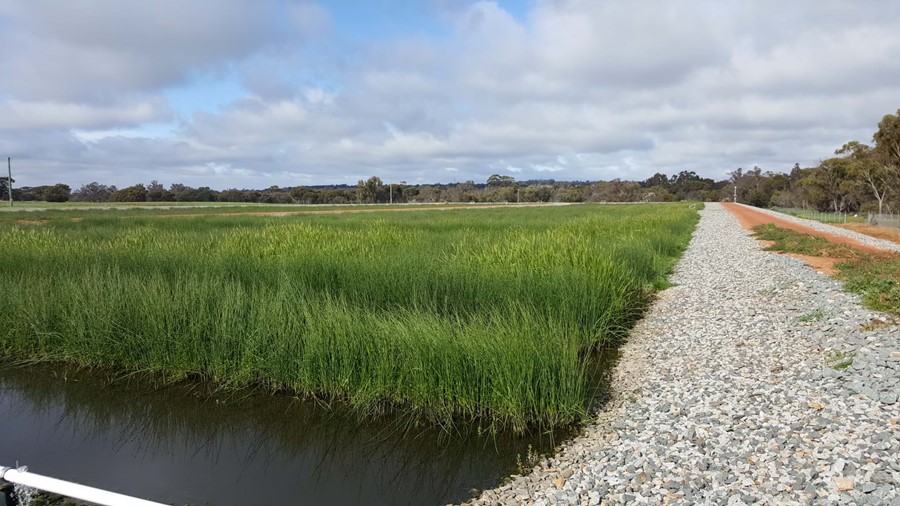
(487, 314)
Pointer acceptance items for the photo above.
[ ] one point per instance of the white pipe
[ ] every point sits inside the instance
(64, 488)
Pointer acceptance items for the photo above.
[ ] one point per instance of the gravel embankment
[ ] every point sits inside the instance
(732, 391)
(831, 229)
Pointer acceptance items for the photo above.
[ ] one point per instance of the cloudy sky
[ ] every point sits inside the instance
(254, 93)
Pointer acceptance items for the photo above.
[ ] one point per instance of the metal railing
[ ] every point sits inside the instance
(21, 476)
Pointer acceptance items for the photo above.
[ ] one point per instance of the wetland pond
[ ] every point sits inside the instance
(191, 444)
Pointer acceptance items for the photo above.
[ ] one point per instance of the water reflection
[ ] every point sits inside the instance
(188, 444)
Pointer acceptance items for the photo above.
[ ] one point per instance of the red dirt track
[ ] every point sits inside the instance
(886, 233)
(749, 218)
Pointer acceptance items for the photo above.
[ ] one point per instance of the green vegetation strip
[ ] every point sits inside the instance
(875, 278)
(465, 314)
(37, 211)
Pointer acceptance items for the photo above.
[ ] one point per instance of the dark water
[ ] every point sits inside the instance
(188, 444)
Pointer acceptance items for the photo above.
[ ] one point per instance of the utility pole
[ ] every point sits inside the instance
(9, 179)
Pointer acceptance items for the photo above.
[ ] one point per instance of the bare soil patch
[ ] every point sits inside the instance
(825, 265)
(887, 233)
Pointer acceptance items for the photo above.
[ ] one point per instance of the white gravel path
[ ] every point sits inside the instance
(831, 229)
(726, 393)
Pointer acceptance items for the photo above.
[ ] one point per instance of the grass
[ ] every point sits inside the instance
(47, 211)
(488, 314)
(786, 240)
(813, 316)
(839, 360)
(875, 278)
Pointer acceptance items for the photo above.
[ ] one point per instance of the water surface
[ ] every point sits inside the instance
(191, 444)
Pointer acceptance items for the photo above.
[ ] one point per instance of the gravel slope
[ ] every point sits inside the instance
(831, 229)
(726, 393)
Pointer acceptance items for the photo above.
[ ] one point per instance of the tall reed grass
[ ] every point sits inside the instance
(484, 314)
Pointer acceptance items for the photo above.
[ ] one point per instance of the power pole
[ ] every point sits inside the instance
(9, 179)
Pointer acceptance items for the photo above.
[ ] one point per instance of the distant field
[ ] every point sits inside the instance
(39, 204)
(476, 314)
(77, 210)
(32, 205)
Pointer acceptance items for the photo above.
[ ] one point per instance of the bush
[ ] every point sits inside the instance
(58, 193)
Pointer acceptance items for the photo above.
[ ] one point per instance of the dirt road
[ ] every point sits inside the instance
(749, 218)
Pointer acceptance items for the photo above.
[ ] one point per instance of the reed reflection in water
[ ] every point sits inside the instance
(192, 444)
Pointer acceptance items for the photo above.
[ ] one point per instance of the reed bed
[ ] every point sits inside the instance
(486, 315)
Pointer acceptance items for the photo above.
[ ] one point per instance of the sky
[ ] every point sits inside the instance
(256, 93)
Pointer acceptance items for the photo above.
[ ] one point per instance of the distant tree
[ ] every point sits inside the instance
(157, 192)
(500, 193)
(205, 194)
(537, 193)
(497, 180)
(29, 193)
(4, 188)
(887, 138)
(832, 178)
(276, 197)
(180, 192)
(869, 168)
(428, 193)
(93, 192)
(688, 185)
(303, 195)
(613, 191)
(370, 189)
(887, 154)
(58, 193)
(410, 193)
(136, 193)
(233, 195)
(658, 179)
(568, 193)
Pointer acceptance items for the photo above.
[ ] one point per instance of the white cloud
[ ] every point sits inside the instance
(576, 89)
(17, 115)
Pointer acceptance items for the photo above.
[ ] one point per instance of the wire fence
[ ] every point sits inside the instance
(880, 219)
(822, 217)
(884, 219)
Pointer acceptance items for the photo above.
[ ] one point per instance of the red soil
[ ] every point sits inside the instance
(750, 218)
(886, 233)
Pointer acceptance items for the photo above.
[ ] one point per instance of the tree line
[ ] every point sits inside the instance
(686, 185)
(859, 177)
